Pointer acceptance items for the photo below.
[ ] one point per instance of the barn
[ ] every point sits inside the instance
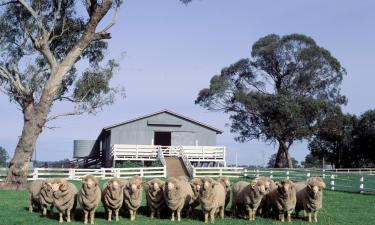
(161, 136)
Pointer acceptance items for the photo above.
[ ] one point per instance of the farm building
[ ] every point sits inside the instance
(158, 136)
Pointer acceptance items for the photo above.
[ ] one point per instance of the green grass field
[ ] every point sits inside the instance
(339, 208)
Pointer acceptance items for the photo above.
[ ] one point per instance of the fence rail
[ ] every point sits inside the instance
(104, 173)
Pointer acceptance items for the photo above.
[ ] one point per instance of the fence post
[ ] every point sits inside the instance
(287, 174)
(194, 172)
(221, 171)
(102, 171)
(361, 185)
(35, 174)
(257, 174)
(71, 174)
(141, 171)
(332, 182)
(324, 174)
(244, 172)
(308, 175)
(271, 174)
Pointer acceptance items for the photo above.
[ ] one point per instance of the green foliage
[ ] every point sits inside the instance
(346, 140)
(128, 164)
(279, 94)
(156, 164)
(312, 162)
(3, 156)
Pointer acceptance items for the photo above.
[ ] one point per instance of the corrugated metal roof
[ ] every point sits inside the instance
(164, 111)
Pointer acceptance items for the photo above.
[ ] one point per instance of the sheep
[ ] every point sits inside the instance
(247, 196)
(178, 195)
(89, 197)
(224, 180)
(154, 197)
(310, 197)
(212, 198)
(196, 185)
(46, 196)
(113, 197)
(133, 195)
(34, 190)
(269, 186)
(282, 200)
(64, 198)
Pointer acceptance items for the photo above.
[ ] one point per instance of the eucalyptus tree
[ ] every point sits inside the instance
(40, 43)
(279, 94)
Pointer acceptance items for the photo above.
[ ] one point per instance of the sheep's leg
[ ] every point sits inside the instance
(316, 216)
(131, 215)
(31, 204)
(250, 214)
(68, 216)
(110, 215)
(254, 213)
(281, 217)
(212, 215)
(44, 211)
(172, 216)
(222, 209)
(152, 214)
(309, 215)
(158, 214)
(116, 214)
(92, 216)
(289, 217)
(205, 216)
(188, 210)
(86, 217)
(61, 217)
(178, 215)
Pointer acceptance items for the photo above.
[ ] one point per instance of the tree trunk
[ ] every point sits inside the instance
(279, 162)
(288, 159)
(34, 121)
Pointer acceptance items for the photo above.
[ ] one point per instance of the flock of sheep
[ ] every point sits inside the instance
(261, 196)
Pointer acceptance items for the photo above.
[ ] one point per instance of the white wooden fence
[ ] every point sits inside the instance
(103, 173)
(150, 152)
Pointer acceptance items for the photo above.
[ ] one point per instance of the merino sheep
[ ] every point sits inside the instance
(133, 195)
(46, 196)
(282, 200)
(178, 195)
(310, 197)
(64, 198)
(224, 180)
(247, 196)
(196, 185)
(212, 199)
(269, 186)
(34, 190)
(89, 197)
(154, 197)
(113, 197)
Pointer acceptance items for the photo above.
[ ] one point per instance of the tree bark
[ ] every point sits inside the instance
(283, 158)
(34, 121)
(288, 159)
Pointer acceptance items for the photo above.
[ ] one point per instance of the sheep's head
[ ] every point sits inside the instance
(315, 186)
(258, 186)
(268, 183)
(155, 184)
(115, 184)
(47, 186)
(285, 187)
(90, 182)
(172, 187)
(225, 182)
(59, 184)
(134, 184)
(207, 185)
(196, 185)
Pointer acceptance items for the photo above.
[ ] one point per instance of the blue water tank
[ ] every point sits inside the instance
(83, 148)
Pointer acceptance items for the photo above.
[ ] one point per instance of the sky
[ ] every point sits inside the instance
(169, 51)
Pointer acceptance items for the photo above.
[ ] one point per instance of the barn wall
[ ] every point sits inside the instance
(184, 132)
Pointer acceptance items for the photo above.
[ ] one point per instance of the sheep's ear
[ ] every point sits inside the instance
(253, 183)
(97, 180)
(322, 185)
(84, 180)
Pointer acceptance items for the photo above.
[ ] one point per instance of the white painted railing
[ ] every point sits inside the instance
(234, 172)
(187, 163)
(103, 173)
(150, 152)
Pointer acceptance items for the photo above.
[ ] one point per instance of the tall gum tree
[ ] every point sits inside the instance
(40, 43)
(279, 94)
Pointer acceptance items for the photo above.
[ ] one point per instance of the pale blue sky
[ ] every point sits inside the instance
(170, 51)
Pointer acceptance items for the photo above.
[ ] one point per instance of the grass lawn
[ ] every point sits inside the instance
(339, 208)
